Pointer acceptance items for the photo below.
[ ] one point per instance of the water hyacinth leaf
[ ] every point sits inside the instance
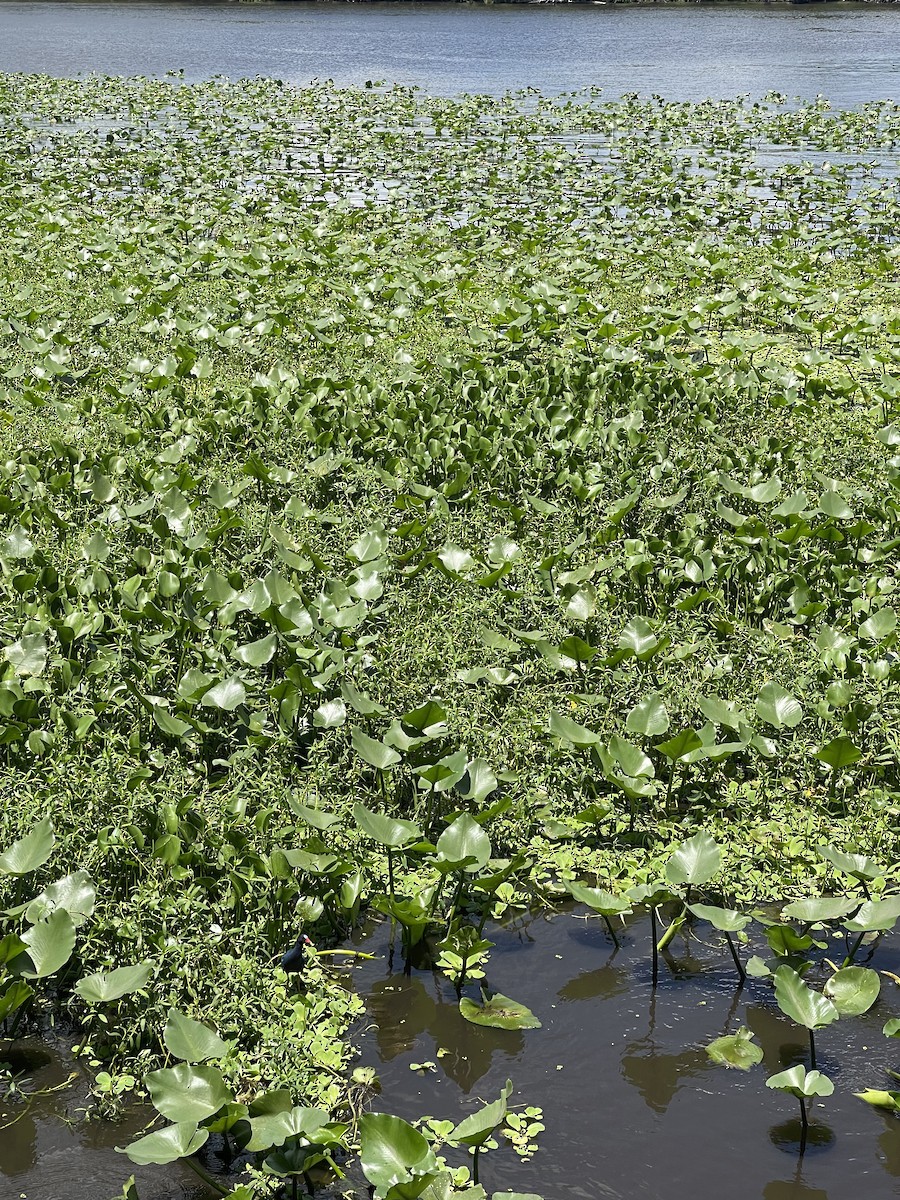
(801, 1003)
(648, 718)
(839, 753)
(103, 988)
(853, 990)
(166, 1145)
(227, 695)
(387, 831)
(376, 754)
(190, 1040)
(392, 1152)
(29, 852)
(477, 1128)
(28, 655)
(500, 1012)
(695, 861)
(737, 1050)
(50, 944)
(187, 1092)
(777, 707)
(464, 844)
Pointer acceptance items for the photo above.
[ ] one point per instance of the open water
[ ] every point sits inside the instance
(847, 52)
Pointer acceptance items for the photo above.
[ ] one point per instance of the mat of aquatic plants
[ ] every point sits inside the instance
(426, 506)
(616, 1094)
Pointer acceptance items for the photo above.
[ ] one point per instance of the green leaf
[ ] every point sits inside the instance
(639, 639)
(801, 1003)
(839, 753)
(875, 915)
(50, 944)
(681, 745)
(75, 893)
(371, 545)
(13, 997)
(500, 1012)
(820, 908)
(477, 1128)
(603, 902)
(737, 1050)
(31, 851)
(101, 988)
(258, 653)
(28, 655)
(376, 754)
(187, 1093)
(228, 694)
(192, 1041)
(387, 831)
(778, 707)
(879, 626)
(726, 920)
(853, 990)
(571, 732)
(857, 866)
(478, 782)
(880, 1099)
(274, 1129)
(695, 861)
(464, 845)
(799, 1082)
(649, 717)
(166, 1145)
(392, 1152)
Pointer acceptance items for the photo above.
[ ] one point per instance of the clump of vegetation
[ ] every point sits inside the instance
(407, 504)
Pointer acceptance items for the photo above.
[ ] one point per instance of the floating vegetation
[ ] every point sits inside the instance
(431, 507)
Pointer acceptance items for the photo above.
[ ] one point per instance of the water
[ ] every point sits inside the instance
(634, 1109)
(847, 52)
(50, 1152)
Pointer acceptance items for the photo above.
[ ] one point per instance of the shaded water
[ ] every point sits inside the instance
(632, 1104)
(48, 1151)
(848, 52)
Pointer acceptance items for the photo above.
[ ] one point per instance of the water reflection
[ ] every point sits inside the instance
(403, 1009)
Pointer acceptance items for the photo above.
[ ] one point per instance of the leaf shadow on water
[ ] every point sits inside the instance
(403, 1010)
(788, 1136)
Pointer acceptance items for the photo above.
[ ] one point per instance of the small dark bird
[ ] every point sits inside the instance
(294, 960)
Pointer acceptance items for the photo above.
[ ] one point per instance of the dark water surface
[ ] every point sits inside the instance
(847, 52)
(48, 1151)
(633, 1106)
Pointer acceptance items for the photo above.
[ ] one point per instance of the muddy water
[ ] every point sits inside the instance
(632, 1105)
(49, 1152)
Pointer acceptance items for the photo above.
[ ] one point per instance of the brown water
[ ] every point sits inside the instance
(48, 1151)
(633, 1106)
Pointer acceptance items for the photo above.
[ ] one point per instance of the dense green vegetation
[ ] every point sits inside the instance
(521, 470)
